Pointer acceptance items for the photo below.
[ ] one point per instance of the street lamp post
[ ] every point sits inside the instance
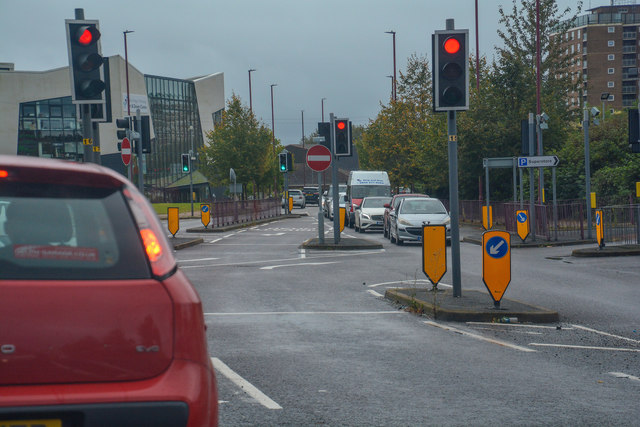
(322, 102)
(250, 100)
(273, 140)
(393, 33)
(392, 84)
(191, 156)
(126, 68)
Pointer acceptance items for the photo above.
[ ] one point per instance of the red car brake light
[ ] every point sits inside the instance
(3, 173)
(155, 243)
(152, 247)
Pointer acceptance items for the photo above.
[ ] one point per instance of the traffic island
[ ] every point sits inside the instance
(473, 306)
(343, 244)
(617, 250)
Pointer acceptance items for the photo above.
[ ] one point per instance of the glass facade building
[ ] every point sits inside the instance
(50, 128)
(176, 124)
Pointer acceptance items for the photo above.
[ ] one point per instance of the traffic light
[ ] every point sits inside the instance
(186, 165)
(289, 161)
(343, 137)
(144, 133)
(123, 126)
(324, 130)
(85, 61)
(282, 158)
(450, 70)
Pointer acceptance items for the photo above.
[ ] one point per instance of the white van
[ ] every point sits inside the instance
(363, 184)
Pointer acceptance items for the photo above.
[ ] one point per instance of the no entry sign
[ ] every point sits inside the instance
(126, 151)
(319, 158)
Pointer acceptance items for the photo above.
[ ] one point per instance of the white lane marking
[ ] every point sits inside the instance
(375, 294)
(196, 260)
(305, 313)
(271, 267)
(217, 240)
(303, 253)
(245, 385)
(518, 325)
(273, 234)
(584, 328)
(332, 255)
(623, 375)
(586, 347)
(480, 337)
(407, 282)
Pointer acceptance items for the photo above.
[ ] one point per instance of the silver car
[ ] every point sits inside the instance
(341, 200)
(298, 199)
(406, 221)
(370, 214)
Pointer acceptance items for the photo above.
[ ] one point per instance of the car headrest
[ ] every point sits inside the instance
(38, 222)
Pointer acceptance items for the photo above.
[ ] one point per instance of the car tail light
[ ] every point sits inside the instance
(3, 173)
(155, 242)
(152, 247)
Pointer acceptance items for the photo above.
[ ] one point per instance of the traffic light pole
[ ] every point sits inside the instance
(139, 153)
(334, 183)
(453, 203)
(87, 132)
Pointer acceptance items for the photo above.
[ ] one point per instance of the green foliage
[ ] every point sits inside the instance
(242, 143)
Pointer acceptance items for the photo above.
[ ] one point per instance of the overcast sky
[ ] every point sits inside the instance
(312, 49)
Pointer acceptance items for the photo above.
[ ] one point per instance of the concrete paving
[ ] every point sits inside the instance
(441, 304)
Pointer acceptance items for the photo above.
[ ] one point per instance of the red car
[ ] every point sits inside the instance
(98, 325)
(395, 201)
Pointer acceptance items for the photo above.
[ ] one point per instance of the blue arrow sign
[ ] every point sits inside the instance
(598, 218)
(522, 217)
(205, 208)
(497, 247)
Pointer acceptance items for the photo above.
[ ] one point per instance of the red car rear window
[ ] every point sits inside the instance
(67, 232)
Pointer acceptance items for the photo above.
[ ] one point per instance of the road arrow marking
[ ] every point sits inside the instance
(271, 267)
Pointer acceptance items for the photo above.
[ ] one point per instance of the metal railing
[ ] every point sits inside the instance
(620, 221)
(621, 224)
(244, 211)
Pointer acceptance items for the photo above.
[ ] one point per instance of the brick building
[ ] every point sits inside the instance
(604, 47)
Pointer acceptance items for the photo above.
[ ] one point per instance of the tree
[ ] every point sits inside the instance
(242, 143)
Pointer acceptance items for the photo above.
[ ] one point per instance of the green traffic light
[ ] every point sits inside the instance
(283, 168)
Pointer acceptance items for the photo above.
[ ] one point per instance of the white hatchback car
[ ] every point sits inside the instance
(298, 198)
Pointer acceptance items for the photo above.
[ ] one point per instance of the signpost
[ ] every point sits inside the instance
(496, 263)
(599, 228)
(173, 221)
(522, 222)
(487, 217)
(126, 151)
(319, 158)
(205, 214)
(537, 161)
(434, 252)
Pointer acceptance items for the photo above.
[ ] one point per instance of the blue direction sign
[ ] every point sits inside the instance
(597, 218)
(522, 217)
(205, 208)
(497, 247)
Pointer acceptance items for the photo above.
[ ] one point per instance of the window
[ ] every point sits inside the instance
(578, 34)
(611, 57)
(611, 98)
(611, 29)
(578, 47)
(572, 49)
(611, 84)
(611, 43)
(611, 70)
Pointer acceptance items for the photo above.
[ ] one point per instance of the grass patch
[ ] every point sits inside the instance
(161, 208)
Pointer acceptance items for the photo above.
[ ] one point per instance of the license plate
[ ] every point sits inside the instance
(378, 222)
(31, 423)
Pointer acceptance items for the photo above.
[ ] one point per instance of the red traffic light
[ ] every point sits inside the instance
(341, 125)
(87, 35)
(451, 45)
